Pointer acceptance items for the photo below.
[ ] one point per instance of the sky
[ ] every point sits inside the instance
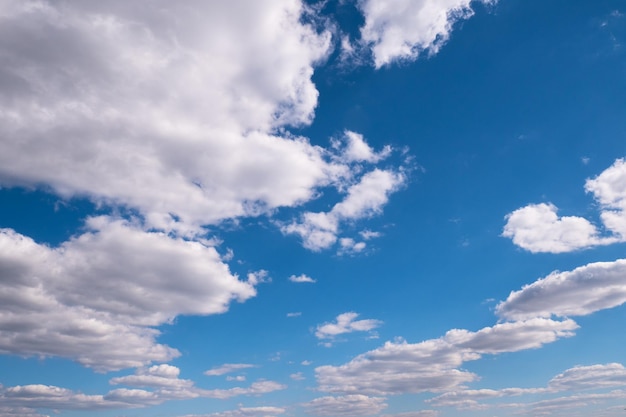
(290, 208)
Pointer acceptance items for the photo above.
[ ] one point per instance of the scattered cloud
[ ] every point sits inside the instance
(364, 199)
(245, 412)
(96, 298)
(238, 378)
(401, 30)
(579, 378)
(228, 368)
(297, 376)
(294, 314)
(301, 278)
(348, 405)
(422, 413)
(582, 291)
(433, 365)
(353, 148)
(538, 228)
(345, 323)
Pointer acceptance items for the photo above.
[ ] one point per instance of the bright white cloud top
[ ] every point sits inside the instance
(175, 175)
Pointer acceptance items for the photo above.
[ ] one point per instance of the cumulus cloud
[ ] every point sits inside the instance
(609, 189)
(346, 323)
(433, 365)
(163, 379)
(353, 148)
(398, 30)
(421, 413)
(364, 199)
(348, 405)
(183, 99)
(96, 298)
(579, 378)
(301, 278)
(538, 228)
(228, 368)
(245, 412)
(582, 291)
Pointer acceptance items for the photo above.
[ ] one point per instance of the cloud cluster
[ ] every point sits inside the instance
(577, 379)
(398, 30)
(157, 384)
(346, 323)
(245, 412)
(582, 291)
(538, 228)
(97, 297)
(347, 405)
(363, 199)
(170, 109)
(434, 365)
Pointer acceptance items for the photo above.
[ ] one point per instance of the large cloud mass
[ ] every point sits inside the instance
(171, 109)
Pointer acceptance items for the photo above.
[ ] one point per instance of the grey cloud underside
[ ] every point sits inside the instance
(582, 291)
(96, 298)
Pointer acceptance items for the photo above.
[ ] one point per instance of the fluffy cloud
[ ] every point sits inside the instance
(422, 413)
(171, 110)
(609, 189)
(364, 199)
(96, 298)
(433, 365)
(348, 405)
(538, 228)
(168, 387)
(245, 412)
(345, 323)
(157, 376)
(301, 278)
(403, 29)
(574, 379)
(582, 291)
(228, 368)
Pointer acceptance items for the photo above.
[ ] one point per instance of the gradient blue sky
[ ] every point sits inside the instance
(392, 208)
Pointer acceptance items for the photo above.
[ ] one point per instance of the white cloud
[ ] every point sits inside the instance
(348, 405)
(245, 412)
(353, 148)
(294, 314)
(421, 413)
(433, 365)
(579, 378)
(582, 291)
(157, 376)
(257, 388)
(301, 278)
(184, 99)
(228, 368)
(364, 199)
(348, 246)
(297, 376)
(52, 397)
(345, 323)
(239, 378)
(399, 30)
(589, 377)
(609, 189)
(95, 298)
(538, 228)
(19, 412)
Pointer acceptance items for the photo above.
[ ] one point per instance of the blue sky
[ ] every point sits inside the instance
(390, 208)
